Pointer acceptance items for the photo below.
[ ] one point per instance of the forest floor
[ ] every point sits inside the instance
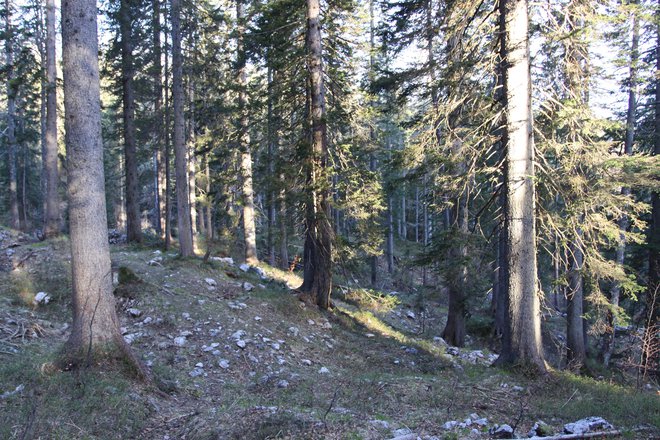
(239, 357)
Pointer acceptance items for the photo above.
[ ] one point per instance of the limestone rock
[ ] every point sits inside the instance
(589, 424)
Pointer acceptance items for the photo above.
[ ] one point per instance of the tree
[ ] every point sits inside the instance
(11, 118)
(247, 194)
(133, 223)
(522, 342)
(52, 214)
(95, 332)
(317, 257)
(184, 227)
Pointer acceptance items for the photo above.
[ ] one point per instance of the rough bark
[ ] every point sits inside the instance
(167, 154)
(159, 183)
(272, 148)
(184, 227)
(576, 352)
(14, 220)
(317, 282)
(133, 223)
(524, 345)
(284, 241)
(390, 236)
(51, 177)
(95, 332)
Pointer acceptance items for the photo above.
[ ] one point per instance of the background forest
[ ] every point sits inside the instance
(492, 166)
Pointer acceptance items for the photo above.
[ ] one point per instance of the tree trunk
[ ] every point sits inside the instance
(11, 120)
(615, 292)
(404, 218)
(167, 155)
(52, 195)
(272, 148)
(95, 332)
(247, 193)
(576, 352)
(182, 204)
(318, 237)
(390, 236)
(524, 345)
(133, 223)
(159, 183)
(284, 241)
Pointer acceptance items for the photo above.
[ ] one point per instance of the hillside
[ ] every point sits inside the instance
(236, 355)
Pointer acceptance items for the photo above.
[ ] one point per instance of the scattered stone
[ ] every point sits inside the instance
(306, 362)
(180, 341)
(199, 365)
(248, 287)
(185, 333)
(186, 316)
(131, 337)
(517, 388)
(294, 331)
(324, 370)
(450, 425)
(410, 314)
(475, 432)
(540, 429)
(453, 351)
(481, 422)
(196, 372)
(369, 335)
(241, 344)
(226, 260)
(501, 431)
(223, 363)
(211, 282)
(155, 261)
(41, 298)
(257, 318)
(135, 313)
(589, 424)
(380, 424)
(147, 320)
(401, 432)
(238, 334)
(244, 267)
(327, 325)
(282, 384)
(275, 346)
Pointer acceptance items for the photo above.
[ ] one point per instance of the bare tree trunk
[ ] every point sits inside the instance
(318, 237)
(524, 345)
(390, 236)
(576, 352)
(244, 143)
(284, 241)
(182, 204)
(133, 223)
(404, 217)
(615, 292)
(52, 195)
(167, 154)
(11, 120)
(95, 331)
(272, 148)
(159, 183)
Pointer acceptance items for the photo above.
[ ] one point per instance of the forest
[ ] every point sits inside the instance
(350, 219)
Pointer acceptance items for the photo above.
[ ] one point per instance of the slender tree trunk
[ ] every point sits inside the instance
(524, 345)
(167, 154)
(11, 119)
(575, 342)
(390, 236)
(404, 217)
(160, 188)
(284, 242)
(52, 213)
(615, 292)
(318, 237)
(95, 331)
(133, 223)
(247, 194)
(182, 204)
(272, 148)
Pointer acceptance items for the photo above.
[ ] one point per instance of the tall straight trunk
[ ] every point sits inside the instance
(95, 332)
(192, 148)
(208, 213)
(651, 347)
(272, 148)
(390, 236)
(524, 344)
(318, 236)
(167, 154)
(372, 132)
(159, 183)
(184, 228)
(576, 352)
(284, 241)
(615, 291)
(52, 195)
(247, 194)
(404, 217)
(11, 120)
(133, 223)
(426, 228)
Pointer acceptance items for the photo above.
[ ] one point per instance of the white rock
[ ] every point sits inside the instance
(283, 384)
(186, 316)
(324, 370)
(257, 318)
(180, 341)
(327, 325)
(481, 422)
(238, 334)
(306, 362)
(157, 252)
(294, 331)
(226, 260)
(135, 313)
(410, 314)
(502, 431)
(199, 365)
(223, 363)
(241, 343)
(450, 425)
(244, 267)
(380, 424)
(185, 333)
(589, 424)
(147, 320)
(369, 335)
(210, 282)
(41, 298)
(248, 287)
(311, 322)
(155, 261)
(196, 372)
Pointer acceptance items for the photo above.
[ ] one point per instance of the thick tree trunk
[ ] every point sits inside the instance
(14, 220)
(615, 292)
(247, 194)
(576, 352)
(318, 238)
(133, 223)
(524, 345)
(181, 169)
(159, 183)
(52, 195)
(95, 331)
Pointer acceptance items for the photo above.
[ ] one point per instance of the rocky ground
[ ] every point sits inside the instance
(238, 356)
